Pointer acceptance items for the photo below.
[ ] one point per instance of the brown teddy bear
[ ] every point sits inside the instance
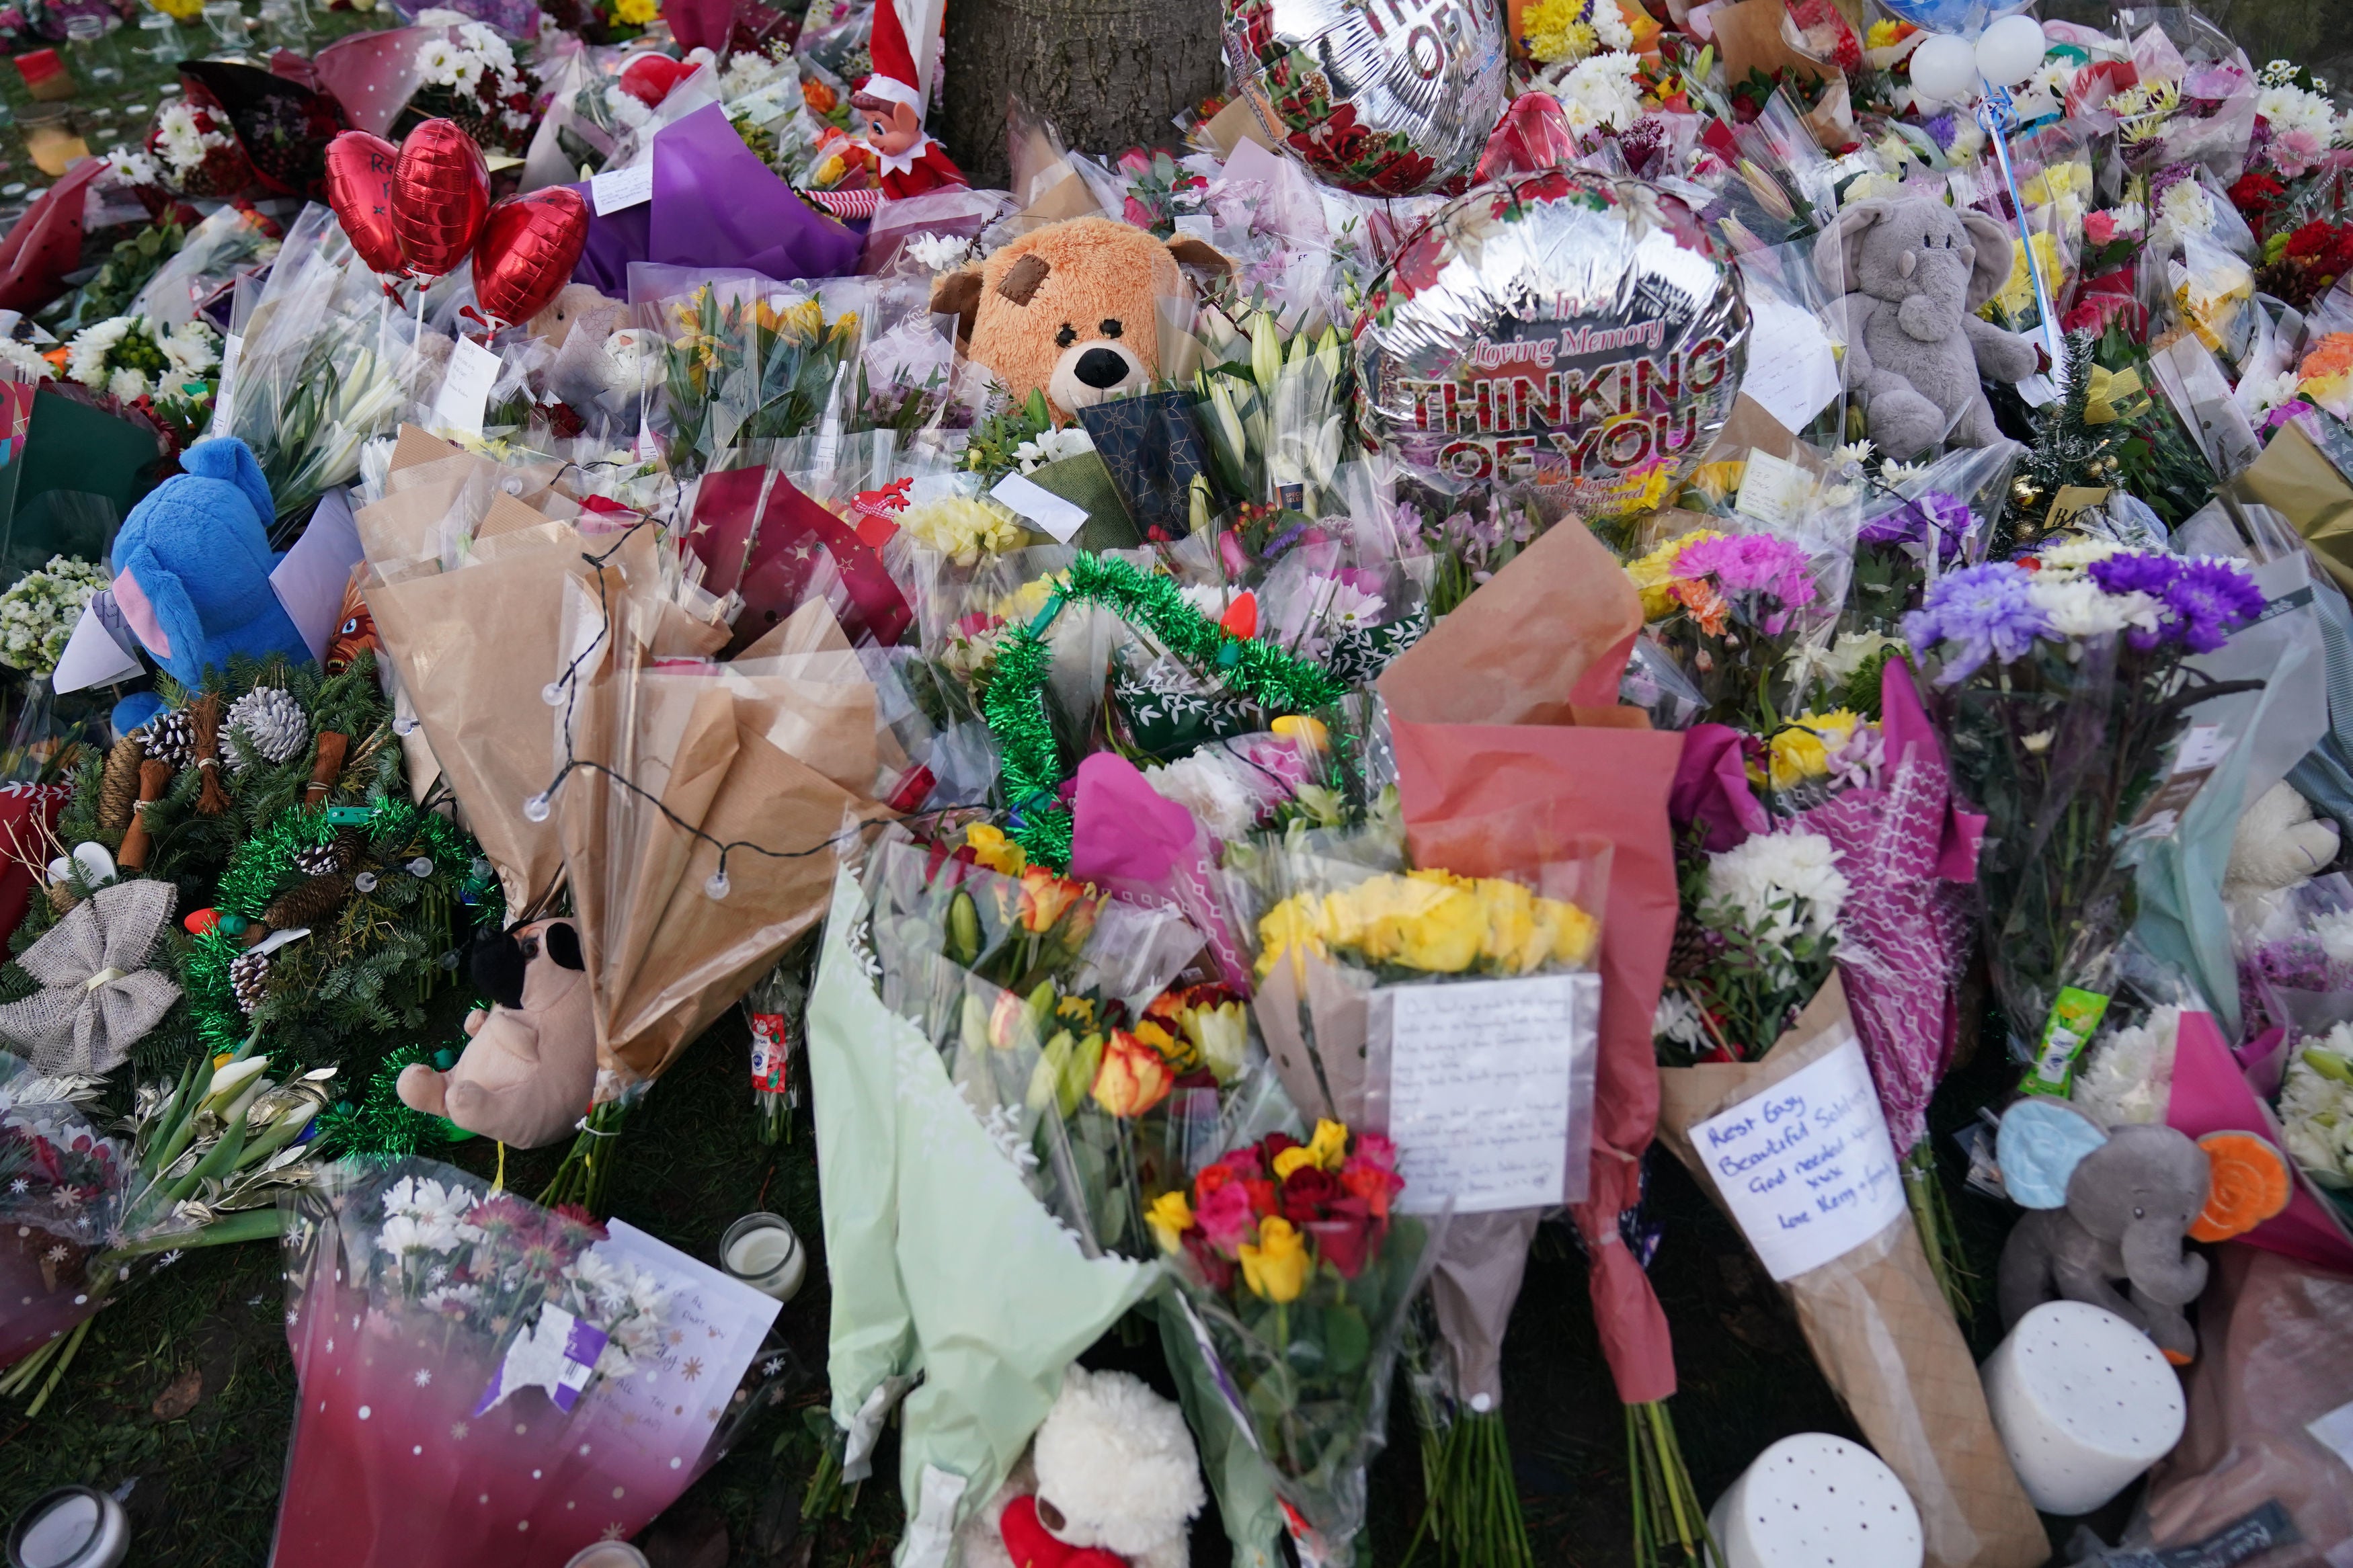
(1070, 309)
(527, 1074)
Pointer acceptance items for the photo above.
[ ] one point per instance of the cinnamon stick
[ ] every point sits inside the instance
(205, 712)
(327, 769)
(154, 778)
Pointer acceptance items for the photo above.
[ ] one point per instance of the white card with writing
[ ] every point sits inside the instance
(1807, 1167)
(616, 189)
(1486, 1079)
(466, 389)
(1791, 370)
(1037, 504)
(711, 1329)
(1774, 490)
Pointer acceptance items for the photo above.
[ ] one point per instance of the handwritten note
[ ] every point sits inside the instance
(1807, 1167)
(1486, 1079)
(616, 189)
(466, 389)
(1791, 370)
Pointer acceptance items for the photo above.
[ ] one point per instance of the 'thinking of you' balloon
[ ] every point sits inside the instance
(1563, 330)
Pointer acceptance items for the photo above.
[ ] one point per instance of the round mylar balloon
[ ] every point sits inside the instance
(1565, 329)
(1386, 97)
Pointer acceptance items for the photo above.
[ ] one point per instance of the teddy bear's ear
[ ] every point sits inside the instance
(1200, 253)
(1994, 255)
(957, 294)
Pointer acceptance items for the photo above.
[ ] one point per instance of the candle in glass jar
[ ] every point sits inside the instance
(761, 1250)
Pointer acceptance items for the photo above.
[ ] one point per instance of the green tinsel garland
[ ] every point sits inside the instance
(263, 866)
(1015, 706)
(381, 1127)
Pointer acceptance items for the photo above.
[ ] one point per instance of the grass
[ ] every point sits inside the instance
(186, 1388)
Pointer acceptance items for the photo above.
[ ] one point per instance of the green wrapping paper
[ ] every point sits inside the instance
(943, 1262)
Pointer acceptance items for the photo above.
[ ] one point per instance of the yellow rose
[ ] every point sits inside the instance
(993, 849)
(1178, 1053)
(1133, 1079)
(1443, 933)
(1045, 898)
(1293, 1159)
(1513, 943)
(1170, 1217)
(1573, 933)
(1275, 1269)
(1303, 728)
(1330, 1145)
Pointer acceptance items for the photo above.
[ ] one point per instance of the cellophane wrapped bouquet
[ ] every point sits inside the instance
(487, 1381)
(2069, 695)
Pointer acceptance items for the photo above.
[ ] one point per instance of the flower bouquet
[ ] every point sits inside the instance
(2296, 956)
(467, 73)
(205, 1162)
(1297, 1270)
(1380, 991)
(38, 612)
(1732, 608)
(2068, 691)
(544, 1382)
(743, 367)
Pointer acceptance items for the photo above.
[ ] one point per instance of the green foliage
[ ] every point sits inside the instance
(125, 271)
(996, 438)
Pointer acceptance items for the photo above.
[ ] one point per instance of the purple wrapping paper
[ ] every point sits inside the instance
(715, 204)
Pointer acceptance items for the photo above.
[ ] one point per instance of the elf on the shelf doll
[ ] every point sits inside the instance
(892, 108)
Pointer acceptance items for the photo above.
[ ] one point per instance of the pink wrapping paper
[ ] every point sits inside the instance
(2211, 1095)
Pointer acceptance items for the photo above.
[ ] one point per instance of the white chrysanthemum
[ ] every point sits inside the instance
(2074, 557)
(28, 363)
(2266, 392)
(1849, 654)
(2334, 930)
(1052, 446)
(183, 144)
(128, 386)
(1599, 93)
(465, 74)
(2291, 108)
(1781, 885)
(1205, 784)
(747, 72)
(86, 356)
(192, 348)
(2078, 608)
(435, 62)
(133, 166)
(2185, 211)
(2128, 1076)
(1678, 1019)
(1609, 26)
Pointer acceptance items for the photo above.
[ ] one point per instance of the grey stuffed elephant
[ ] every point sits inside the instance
(1908, 274)
(2129, 1197)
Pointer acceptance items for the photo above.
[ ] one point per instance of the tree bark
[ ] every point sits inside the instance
(1108, 74)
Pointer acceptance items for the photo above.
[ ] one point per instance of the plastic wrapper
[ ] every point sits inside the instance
(2277, 1364)
(232, 242)
(1880, 1329)
(747, 358)
(550, 1382)
(763, 771)
(2296, 955)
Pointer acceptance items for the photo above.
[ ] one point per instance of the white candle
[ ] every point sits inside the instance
(1817, 1501)
(73, 1527)
(2083, 1401)
(761, 1250)
(608, 1554)
(761, 1253)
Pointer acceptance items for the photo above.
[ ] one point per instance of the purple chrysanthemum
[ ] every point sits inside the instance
(1945, 517)
(2208, 600)
(1977, 613)
(2136, 572)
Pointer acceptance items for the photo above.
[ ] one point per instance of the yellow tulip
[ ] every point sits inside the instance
(1221, 1034)
(1276, 1267)
(1297, 921)
(993, 849)
(1170, 1217)
(1178, 1054)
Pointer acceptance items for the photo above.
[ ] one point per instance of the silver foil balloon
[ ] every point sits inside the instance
(1566, 330)
(1386, 97)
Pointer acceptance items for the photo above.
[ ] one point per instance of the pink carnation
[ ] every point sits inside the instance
(1751, 564)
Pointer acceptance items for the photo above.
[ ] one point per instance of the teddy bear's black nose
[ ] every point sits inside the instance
(1101, 369)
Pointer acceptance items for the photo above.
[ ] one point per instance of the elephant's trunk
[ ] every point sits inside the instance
(2160, 1271)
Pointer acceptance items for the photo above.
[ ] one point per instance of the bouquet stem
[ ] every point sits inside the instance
(587, 1165)
(1669, 1526)
(1940, 1236)
(1473, 1507)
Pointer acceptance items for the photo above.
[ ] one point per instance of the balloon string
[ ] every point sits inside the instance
(1997, 118)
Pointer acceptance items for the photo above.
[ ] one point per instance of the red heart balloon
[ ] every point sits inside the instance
(440, 190)
(650, 78)
(359, 187)
(530, 245)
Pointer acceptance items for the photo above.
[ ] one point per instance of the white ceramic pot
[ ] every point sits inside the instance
(2083, 1401)
(1817, 1501)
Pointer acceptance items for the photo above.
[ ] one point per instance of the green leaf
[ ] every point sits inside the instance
(1346, 1341)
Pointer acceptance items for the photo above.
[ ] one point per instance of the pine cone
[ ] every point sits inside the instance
(118, 786)
(1694, 946)
(273, 724)
(346, 852)
(172, 738)
(307, 902)
(249, 977)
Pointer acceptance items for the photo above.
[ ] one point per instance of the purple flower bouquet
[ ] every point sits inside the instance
(2065, 688)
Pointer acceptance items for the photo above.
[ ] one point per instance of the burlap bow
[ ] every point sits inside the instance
(98, 998)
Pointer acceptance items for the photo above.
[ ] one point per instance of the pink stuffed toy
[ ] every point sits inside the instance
(527, 1074)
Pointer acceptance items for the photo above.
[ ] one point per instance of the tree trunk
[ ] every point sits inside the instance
(1107, 74)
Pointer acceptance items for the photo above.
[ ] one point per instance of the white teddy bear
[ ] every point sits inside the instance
(2280, 844)
(1111, 1478)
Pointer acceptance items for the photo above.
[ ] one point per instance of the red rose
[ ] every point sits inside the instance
(1348, 1238)
(1216, 1267)
(1261, 1197)
(1305, 1193)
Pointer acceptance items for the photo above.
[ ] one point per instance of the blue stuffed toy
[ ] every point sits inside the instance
(192, 572)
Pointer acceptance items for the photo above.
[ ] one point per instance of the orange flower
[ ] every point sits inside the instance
(1134, 1077)
(2333, 355)
(1046, 898)
(1707, 606)
(817, 96)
